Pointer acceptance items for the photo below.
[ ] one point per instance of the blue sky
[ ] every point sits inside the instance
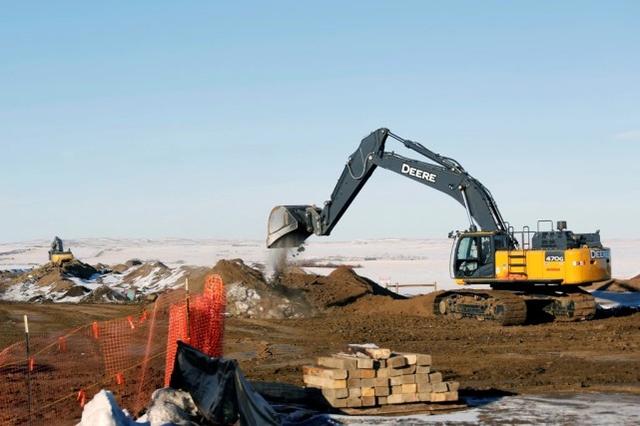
(193, 119)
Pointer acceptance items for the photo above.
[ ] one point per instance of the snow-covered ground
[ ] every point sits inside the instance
(571, 409)
(406, 261)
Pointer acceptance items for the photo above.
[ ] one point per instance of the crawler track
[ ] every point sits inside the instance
(515, 307)
(501, 306)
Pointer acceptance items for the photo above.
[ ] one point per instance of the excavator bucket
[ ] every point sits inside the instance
(288, 226)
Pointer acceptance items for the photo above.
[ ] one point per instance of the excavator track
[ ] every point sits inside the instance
(515, 308)
(503, 307)
(566, 307)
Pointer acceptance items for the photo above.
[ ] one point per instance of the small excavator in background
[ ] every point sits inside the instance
(57, 253)
(532, 275)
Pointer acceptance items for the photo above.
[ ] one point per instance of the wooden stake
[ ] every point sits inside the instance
(26, 338)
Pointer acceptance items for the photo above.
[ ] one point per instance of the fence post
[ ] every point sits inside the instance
(26, 338)
(186, 289)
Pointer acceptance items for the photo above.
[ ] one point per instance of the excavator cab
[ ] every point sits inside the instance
(474, 254)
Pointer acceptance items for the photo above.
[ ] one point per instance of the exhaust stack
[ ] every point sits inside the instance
(290, 226)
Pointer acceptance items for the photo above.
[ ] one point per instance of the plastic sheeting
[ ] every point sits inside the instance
(219, 389)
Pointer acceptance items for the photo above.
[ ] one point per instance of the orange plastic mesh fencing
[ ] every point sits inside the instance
(200, 322)
(129, 356)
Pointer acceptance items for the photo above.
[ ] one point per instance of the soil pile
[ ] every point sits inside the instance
(104, 294)
(617, 286)
(156, 270)
(249, 295)
(236, 271)
(341, 287)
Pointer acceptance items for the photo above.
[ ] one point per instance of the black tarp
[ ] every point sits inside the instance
(219, 389)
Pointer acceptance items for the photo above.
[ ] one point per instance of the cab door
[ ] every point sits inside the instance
(474, 257)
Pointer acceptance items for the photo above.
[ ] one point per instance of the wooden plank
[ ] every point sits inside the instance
(402, 398)
(339, 363)
(440, 387)
(382, 372)
(424, 388)
(423, 369)
(381, 381)
(435, 377)
(368, 391)
(444, 396)
(423, 359)
(362, 373)
(368, 401)
(421, 378)
(355, 392)
(409, 388)
(329, 373)
(397, 361)
(354, 383)
(410, 357)
(404, 409)
(324, 383)
(403, 380)
(382, 391)
(410, 369)
(354, 402)
(367, 383)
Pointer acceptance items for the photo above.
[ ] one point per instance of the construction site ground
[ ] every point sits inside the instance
(602, 355)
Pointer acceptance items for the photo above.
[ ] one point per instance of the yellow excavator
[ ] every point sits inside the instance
(57, 254)
(532, 275)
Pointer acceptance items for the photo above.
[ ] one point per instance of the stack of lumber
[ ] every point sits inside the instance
(369, 376)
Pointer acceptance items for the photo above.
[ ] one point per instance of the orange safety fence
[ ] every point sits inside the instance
(130, 356)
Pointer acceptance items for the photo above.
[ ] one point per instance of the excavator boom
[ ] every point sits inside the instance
(290, 225)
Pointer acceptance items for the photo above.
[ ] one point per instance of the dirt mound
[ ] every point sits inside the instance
(340, 288)
(616, 286)
(249, 295)
(158, 269)
(76, 291)
(375, 304)
(104, 294)
(236, 271)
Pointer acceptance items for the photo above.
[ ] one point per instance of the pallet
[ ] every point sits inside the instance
(404, 409)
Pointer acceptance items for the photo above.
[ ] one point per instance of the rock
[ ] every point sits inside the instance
(172, 407)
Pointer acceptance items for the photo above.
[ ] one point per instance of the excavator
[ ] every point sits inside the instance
(57, 254)
(532, 275)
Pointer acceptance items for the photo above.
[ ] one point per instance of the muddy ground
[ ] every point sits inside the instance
(598, 355)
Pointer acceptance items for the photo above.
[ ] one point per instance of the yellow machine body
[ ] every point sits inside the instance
(568, 267)
(576, 266)
(483, 257)
(60, 258)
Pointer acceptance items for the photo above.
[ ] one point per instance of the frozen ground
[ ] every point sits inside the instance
(573, 409)
(386, 261)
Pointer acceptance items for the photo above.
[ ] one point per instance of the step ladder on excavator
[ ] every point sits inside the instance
(517, 258)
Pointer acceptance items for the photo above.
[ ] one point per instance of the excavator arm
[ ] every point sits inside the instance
(289, 226)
